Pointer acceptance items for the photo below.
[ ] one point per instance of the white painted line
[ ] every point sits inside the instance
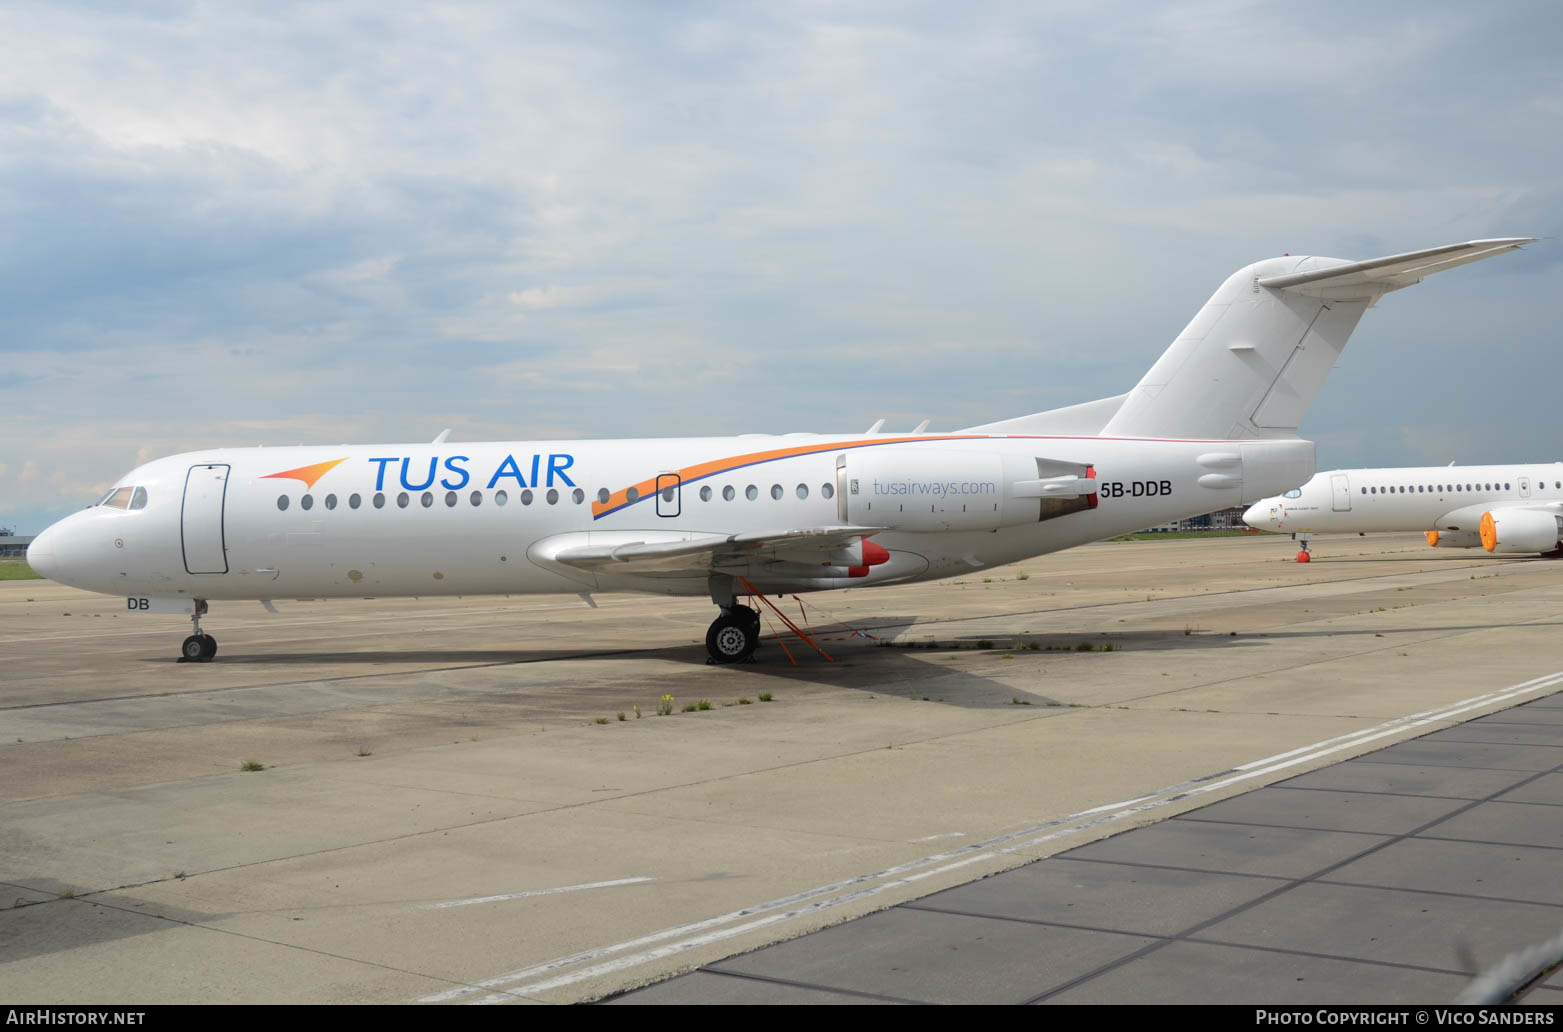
(507, 987)
(534, 892)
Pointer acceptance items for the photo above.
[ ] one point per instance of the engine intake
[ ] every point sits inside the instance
(1507, 531)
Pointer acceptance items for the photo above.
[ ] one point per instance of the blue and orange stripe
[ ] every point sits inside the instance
(701, 471)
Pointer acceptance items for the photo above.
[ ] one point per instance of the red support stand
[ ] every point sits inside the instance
(783, 617)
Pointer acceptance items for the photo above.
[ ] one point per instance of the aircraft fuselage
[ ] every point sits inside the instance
(457, 518)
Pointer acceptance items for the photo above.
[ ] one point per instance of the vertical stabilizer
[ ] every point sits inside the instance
(1252, 360)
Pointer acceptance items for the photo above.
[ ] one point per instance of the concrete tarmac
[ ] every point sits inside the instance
(450, 809)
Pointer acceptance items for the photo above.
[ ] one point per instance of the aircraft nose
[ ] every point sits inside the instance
(41, 554)
(1257, 516)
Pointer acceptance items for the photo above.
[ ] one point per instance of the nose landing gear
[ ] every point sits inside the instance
(199, 647)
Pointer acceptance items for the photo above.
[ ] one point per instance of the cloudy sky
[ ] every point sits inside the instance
(351, 222)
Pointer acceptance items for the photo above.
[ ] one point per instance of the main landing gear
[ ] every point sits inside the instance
(199, 647)
(733, 635)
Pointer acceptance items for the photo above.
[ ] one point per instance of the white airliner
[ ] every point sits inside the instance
(1212, 424)
(1504, 509)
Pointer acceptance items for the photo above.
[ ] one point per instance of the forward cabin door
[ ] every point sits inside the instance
(1341, 489)
(201, 520)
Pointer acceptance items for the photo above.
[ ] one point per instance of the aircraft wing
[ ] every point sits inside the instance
(632, 553)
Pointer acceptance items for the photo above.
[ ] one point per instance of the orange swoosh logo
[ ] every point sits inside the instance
(308, 474)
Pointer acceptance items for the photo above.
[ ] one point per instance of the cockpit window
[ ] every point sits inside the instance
(138, 500)
(119, 498)
(1295, 492)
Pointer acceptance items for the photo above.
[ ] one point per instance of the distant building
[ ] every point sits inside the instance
(11, 544)
(1222, 519)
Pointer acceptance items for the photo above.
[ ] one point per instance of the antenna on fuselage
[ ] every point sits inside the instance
(443, 434)
(875, 428)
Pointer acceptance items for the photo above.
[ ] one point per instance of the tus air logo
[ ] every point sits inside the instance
(453, 472)
(418, 474)
(307, 474)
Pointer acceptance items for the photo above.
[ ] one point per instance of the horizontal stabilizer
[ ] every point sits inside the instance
(1355, 281)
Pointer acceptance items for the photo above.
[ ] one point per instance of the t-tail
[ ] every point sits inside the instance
(1252, 360)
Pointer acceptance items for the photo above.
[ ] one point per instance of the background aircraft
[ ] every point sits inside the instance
(1504, 509)
(1212, 424)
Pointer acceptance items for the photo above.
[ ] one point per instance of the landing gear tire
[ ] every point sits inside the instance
(745, 613)
(198, 648)
(732, 637)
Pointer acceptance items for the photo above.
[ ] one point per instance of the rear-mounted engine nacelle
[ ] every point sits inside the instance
(935, 489)
(1520, 530)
